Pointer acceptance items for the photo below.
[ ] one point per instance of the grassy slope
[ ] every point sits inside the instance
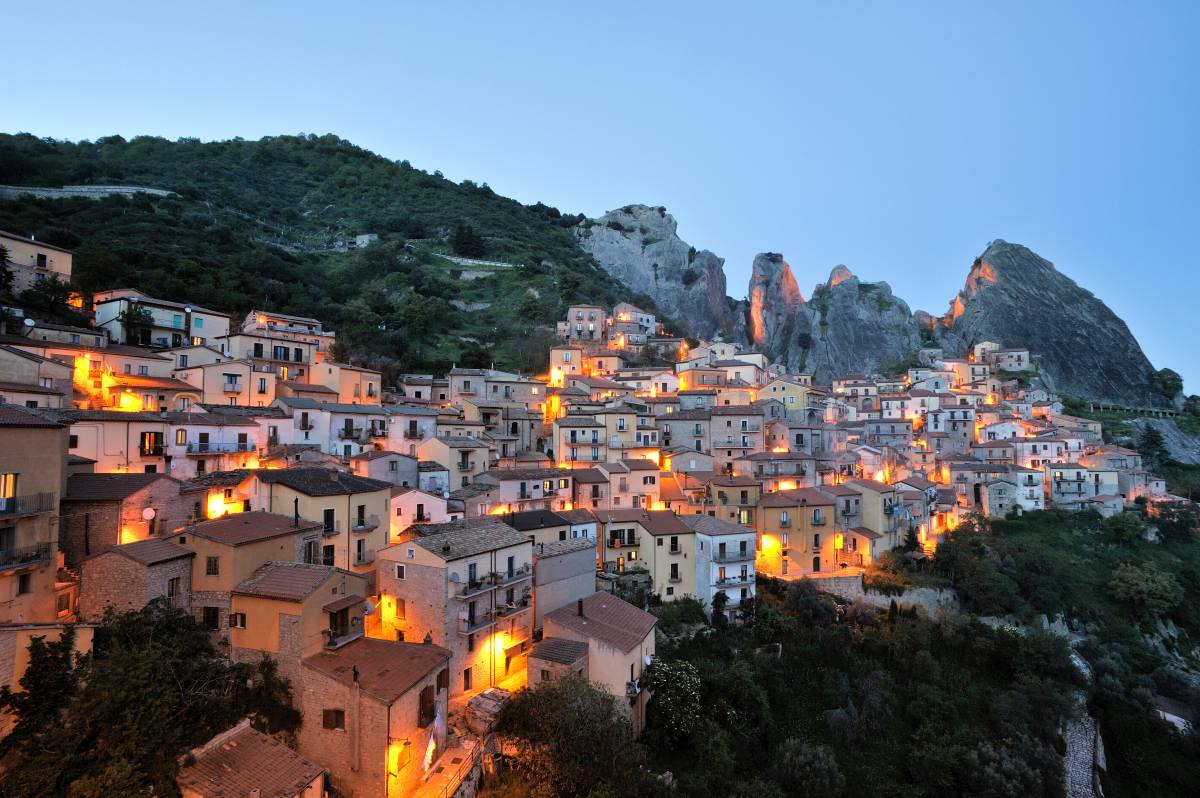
(224, 241)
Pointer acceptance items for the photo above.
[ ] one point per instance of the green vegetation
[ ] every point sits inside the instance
(116, 721)
(255, 223)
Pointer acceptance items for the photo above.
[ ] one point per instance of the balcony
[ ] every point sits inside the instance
(819, 521)
(465, 465)
(27, 555)
(155, 450)
(516, 608)
(232, 387)
(736, 579)
(732, 443)
(351, 434)
(332, 529)
(412, 434)
(336, 638)
(784, 523)
(421, 518)
(305, 426)
(472, 587)
(31, 504)
(365, 557)
(219, 447)
(675, 549)
(734, 556)
(468, 625)
(365, 523)
(628, 543)
(505, 579)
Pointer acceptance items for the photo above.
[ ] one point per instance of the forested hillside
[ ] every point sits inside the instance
(256, 223)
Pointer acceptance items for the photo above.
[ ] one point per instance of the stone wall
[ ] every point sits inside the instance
(850, 587)
(112, 580)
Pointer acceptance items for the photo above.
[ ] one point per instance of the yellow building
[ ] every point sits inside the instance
(795, 533)
(33, 474)
(655, 541)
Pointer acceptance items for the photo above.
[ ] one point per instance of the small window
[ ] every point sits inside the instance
(72, 441)
(212, 618)
(237, 620)
(23, 584)
(212, 566)
(544, 675)
(399, 571)
(333, 719)
(427, 706)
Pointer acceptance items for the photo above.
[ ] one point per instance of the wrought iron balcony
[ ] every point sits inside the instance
(31, 504)
(219, 447)
(26, 555)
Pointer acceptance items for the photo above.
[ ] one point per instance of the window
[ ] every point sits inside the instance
(467, 679)
(333, 719)
(173, 587)
(237, 620)
(72, 441)
(399, 571)
(181, 437)
(23, 584)
(427, 706)
(212, 566)
(212, 618)
(544, 675)
(143, 371)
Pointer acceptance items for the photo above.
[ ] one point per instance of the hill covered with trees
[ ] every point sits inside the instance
(264, 224)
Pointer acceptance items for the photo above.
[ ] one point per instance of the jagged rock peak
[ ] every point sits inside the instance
(775, 299)
(1016, 298)
(840, 274)
(639, 245)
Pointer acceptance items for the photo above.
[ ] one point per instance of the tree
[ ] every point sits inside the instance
(49, 296)
(675, 709)
(136, 323)
(1169, 382)
(6, 275)
(50, 680)
(1123, 528)
(467, 242)
(119, 720)
(807, 771)
(571, 741)
(1150, 591)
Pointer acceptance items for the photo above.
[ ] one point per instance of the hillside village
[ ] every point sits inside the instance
(414, 554)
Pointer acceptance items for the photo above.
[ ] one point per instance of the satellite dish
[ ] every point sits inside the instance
(149, 513)
(187, 309)
(454, 577)
(646, 659)
(29, 323)
(368, 608)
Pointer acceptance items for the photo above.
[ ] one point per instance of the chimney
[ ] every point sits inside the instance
(296, 511)
(579, 608)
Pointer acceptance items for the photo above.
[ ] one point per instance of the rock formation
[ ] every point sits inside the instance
(1015, 298)
(639, 246)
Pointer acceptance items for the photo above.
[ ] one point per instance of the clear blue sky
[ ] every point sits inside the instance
(897, 138)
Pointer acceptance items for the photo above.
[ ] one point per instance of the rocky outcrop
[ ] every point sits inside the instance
(1015, 298)
(848, 326)
(639, 246)
(1180, 446)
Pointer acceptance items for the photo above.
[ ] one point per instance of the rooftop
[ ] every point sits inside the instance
(466, 537)
(561, 650)
(238, 529)
(247, 762)
(321, 481)
(107, 487)
(287, 581)
(384, 669)
(607, 619)
(151, 551)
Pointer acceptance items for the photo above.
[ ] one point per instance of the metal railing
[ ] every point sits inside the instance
(219, 447)
(232, 387)
(733, 556)
(332, 529)
(481, 621)
(24, 555)
(151, 451)
(364, 557)
(737, 579)
(467, 466)
(617, 543)
(26, 505)
(365, 523)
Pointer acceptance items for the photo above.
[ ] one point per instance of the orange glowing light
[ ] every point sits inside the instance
(780, 449)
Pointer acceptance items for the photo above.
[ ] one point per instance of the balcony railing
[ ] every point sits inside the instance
(675, 548)
(365, 524)
(733, 556)
(516, 608)
(305, 426)
(30, 504)
(27, 555)
(465, 466)
(732, 443)
(468, 625)
(473, 587)
(364, 557)
(352, 434)
(737, 579)
(519, 573)
(332, 529)
(412, 434)
(628, 543)
(151, 451)
(219, 447)
(784, 523)
(232, 387)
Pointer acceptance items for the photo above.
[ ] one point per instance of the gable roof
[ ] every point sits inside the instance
(607, 619)
(466, 537)
(321, 481)
(247, 762)
(384, 669)
(534, 519)
(561, 650)
(107, 487)
(151, 551)
(12, 416)
(288, 581)
(238, 529)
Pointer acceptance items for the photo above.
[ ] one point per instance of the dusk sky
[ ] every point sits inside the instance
(897, 139)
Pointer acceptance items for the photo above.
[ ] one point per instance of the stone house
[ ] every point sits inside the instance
(129, 576)
(243, 761)
(385, 466)
(467, 586)
(375, 714)
(100, 511)
(620, 640)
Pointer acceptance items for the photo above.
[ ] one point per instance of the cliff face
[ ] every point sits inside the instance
(639, 246)
(847, 327)
(1016, 298)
